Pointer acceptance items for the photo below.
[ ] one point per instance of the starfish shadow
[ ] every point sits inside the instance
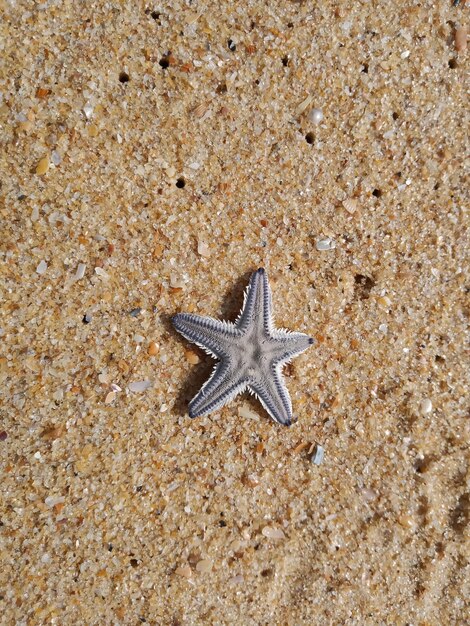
(233, 299)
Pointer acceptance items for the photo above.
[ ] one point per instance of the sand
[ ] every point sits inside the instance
(153, 156)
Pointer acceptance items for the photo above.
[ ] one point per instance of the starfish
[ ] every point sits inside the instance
(251, 353)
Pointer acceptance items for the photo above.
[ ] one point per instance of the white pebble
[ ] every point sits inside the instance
(383, 328)
(42, 267)
(80, 273)
(176, 282)
(203, 248)
(100, 272)
(140, 385)
(245, 411)
(273, 533)
(55, 157)
(88, 110)
(51, 501)
(426, 406)
(316, 116)
(325, 244)
(318, 454)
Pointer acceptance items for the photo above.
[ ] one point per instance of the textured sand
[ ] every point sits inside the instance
(152, 157)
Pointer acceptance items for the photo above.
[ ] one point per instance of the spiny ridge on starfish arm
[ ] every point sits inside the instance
(250, 353)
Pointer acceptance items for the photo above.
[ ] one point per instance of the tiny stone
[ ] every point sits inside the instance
(325, 244)
(51, 501)
(140, 385)
(153, 348)
(138, 338)
(237, 580)
(55, 157)
(191, 357)
(100, 272)
(135, 312)
(316, 116)
(110, 397)
(203, 248)
(42, 267)
(3, 435)
(407, 521)
(87, 318)
(461, 38)
(318, 454)
(383, 328)
(384, 302)
(93, 130)
(88, 110)
(204, 566)
(184, 571)
(273, 533)
(80, 273)
(42, 166)
(426, 406)
(176, 282)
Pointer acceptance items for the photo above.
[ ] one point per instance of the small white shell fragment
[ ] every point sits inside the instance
(203, 248)
(245, 411)
(42, 267)
(110, 397)
(316, 116)
(325, 244)
(350, 205)
(318, 454)
(100, 272)
(51, 501)
(115, 387)
(139, 338)
(303, 105)
(80, 273)
(273, 533)
(176, 282)
(88, 110)
(139, 385)
(425, 407)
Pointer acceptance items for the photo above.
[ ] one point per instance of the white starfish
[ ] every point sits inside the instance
(251, 353)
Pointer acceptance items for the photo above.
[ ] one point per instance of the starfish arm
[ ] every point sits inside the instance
(220, 388)
(273, 395)
(290, 344)
(209, 334)
(257, 306)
